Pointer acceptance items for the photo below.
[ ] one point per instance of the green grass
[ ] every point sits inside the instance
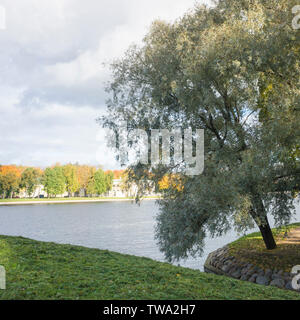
(251, 248)
(68, 199)
(40, 270)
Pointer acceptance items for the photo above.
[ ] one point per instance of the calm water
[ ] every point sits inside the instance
(117, 226)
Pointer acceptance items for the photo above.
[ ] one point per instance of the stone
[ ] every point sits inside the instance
(268, 273)
(253, 278)
(244, 277)
(261, 272)
(256, 269)
(275, 276)
(244, 271)
(289, 285)
(234, 268)
(236, 274)
(279, 283)
(287, 278)
(231, 271)
(249, 273)
(226, 268)
(280, 273)
(262, 280)
(233, 265)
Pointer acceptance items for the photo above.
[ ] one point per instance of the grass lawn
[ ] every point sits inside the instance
(251, 248)
(68, 199)
(60, 199)
(41, 270)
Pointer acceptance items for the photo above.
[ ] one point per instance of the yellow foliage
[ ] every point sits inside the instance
(171, 181)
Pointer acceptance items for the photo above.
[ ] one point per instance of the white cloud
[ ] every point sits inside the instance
(52, 74)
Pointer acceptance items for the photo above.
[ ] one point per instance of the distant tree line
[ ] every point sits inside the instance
(57, 180)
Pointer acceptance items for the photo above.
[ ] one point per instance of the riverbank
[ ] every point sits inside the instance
(7, 202)
(42, 270)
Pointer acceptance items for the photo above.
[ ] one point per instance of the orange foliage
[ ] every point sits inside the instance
(118, 173)
(11, 169)
(84, 173)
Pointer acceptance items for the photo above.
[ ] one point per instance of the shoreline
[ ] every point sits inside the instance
(49, 271)
(226, 262)
(29, 202)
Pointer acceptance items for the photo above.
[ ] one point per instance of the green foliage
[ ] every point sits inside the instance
(9, 183)
(109, 176)
(71, 178)
(91, 186)
(216, 69)
(100, 182)
(54, 181)
(68, 199)
(30, 178)
(40, 270)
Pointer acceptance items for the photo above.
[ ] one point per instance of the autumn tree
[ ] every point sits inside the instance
(100, 182)
(118, 174)
(210, 70)
(9, 180)
(30, 178)
(109, 177)
(91, 187)
(71, 177)
(85, 174)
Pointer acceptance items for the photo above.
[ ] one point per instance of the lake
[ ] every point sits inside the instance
(117, 226)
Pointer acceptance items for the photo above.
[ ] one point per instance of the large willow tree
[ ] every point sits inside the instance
(232, 70)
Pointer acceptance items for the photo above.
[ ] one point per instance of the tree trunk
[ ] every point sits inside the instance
(259, 215)
(267, 235)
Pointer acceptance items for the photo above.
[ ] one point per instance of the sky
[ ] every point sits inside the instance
(54, 57)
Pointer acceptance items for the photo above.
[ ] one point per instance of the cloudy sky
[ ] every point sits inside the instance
(52, 74)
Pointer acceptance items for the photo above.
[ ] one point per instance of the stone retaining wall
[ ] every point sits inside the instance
(221, 263)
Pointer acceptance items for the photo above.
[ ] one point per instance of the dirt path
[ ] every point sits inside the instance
(293, 237)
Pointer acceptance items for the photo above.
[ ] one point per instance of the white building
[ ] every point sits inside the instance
(117, 191)
(39, 192)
